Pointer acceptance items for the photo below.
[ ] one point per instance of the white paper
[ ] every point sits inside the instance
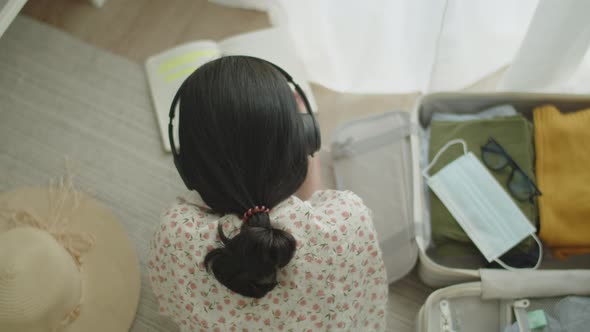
(166, 71)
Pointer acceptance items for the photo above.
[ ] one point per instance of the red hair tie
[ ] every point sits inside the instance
(253, 211)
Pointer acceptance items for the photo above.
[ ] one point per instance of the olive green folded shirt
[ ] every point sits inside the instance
(515, 135)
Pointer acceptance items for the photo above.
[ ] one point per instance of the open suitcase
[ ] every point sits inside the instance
(378, 158)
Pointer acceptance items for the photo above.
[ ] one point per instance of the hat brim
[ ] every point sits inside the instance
(110, 270)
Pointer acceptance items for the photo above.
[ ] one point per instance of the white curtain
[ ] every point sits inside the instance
(399, 46)
(555, 54)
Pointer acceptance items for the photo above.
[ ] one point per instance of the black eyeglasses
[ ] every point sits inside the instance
(519, 184)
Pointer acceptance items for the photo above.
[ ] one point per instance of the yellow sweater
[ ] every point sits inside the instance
(562, 144)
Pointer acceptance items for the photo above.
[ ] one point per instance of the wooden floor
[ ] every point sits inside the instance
(137, 29)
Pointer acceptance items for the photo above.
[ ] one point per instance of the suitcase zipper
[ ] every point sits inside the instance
(521, 314)
(351, 147)
(446, 319)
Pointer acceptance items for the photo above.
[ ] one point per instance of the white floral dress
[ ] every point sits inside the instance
(335, 282)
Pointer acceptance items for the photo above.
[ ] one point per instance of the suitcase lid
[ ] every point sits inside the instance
(372, 157)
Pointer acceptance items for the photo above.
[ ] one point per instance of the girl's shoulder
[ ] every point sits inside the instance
(334, 205)
(327, 215)
(339, 206)
(345, 199)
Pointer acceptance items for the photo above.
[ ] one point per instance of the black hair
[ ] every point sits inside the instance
(242, 145)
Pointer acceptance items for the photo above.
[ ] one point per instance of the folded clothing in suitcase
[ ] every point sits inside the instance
(563, 166)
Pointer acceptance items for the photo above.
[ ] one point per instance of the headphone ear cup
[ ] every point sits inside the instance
(178, 165)
(318, 134)
(312, 133)
(175, 155)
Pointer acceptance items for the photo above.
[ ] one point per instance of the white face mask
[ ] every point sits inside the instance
(480, 205)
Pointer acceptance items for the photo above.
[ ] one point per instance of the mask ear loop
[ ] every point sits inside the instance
(440, 152)
(510, 268)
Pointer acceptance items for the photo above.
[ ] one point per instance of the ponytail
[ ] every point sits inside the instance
(248, 263)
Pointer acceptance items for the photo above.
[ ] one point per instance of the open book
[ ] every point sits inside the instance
(166, 71)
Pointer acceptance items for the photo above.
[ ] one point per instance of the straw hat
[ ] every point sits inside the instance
(66, 264)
